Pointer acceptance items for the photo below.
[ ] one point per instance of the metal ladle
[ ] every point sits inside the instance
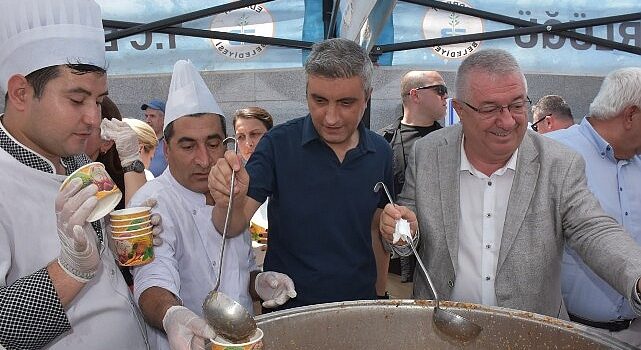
(228, 317)
(451, 324)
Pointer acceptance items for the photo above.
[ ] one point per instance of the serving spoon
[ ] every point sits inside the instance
(451, 324)
(228, 317)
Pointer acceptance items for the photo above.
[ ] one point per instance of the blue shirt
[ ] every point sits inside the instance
(158, 161)
(320, 210)
(617, 186)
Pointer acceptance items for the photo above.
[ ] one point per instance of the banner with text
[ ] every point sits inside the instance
(302, 20)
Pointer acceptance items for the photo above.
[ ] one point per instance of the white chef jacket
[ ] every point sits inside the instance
(102, 315)
(186, 263)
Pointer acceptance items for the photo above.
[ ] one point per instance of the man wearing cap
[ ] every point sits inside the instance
(59, 286)
(319, 173)
(171, 289)
(155, 116)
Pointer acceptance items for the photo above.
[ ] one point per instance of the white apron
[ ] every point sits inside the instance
(102, 315)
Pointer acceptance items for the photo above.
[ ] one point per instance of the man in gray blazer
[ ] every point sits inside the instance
(494, 203)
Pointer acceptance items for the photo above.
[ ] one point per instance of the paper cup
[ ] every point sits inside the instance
(141, 231)
(128, 228)
(258, 233)
(130, 213)
(255, 343)
(134, 250)
(127, 222)
(108, 193)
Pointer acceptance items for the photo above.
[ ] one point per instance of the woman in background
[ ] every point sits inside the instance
(147, 141)
(115, 144)
(250, 124)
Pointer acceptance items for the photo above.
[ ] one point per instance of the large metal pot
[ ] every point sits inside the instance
(407, 324)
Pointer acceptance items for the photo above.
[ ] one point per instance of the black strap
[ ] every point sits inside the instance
(614, 326)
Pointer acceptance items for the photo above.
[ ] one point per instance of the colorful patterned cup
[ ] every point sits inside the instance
(134, 250)
(130, 213)
(129, 228)
(108, 193)
(127, 222)
(255, 342)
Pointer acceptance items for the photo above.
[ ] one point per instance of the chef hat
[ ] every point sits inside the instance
(35, 34)
(188, 94)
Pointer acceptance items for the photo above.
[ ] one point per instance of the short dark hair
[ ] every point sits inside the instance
(169, 129)
(38, 79)
(254, 113)
(340, 58)
(553, 104)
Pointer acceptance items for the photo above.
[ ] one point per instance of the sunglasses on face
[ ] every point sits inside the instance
(440, 89)
(536, 127)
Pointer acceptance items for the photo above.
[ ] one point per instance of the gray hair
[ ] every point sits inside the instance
(494, 61)
(620, 89)
(340, 58)
(553, 104)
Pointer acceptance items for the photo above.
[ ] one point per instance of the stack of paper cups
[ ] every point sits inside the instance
(131, 231)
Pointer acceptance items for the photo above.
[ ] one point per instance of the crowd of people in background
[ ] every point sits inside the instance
(502, 215)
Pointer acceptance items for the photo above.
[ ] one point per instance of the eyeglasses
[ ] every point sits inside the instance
(536, 127)
(440, 89)
(492, 110)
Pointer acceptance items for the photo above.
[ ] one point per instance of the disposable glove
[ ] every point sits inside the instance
(79, 255)
(274, 288)
(156, 220)
(124, 137)
(186, 330)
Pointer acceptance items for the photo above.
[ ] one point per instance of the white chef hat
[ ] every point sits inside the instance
(188, 94)
(35, 34)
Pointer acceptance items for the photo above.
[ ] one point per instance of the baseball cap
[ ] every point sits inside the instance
(154, 104)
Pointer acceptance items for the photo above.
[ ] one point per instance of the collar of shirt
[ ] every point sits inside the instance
(602, 147)
(194, 199)
(310, 134)
(467, 166)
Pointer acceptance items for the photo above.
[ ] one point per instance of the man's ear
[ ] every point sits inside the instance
(629, 113)
(165, 146)
(18, 89)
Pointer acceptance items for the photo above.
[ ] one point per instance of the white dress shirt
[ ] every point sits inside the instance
(186, 264)
(483, 202)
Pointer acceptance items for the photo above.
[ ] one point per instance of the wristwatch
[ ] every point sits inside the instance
(136, 166)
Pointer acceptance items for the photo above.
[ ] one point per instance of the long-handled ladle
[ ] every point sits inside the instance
(224, 314)
(449, 323)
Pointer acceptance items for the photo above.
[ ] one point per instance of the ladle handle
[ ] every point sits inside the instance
(377, 187)
(427, 275)
(227, 216)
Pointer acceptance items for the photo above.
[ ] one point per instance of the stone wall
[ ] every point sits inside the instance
(282, 92)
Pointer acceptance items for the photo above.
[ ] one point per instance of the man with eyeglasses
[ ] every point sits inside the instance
(609, 140)
(551, 113)
(495, 203)
(424, 97)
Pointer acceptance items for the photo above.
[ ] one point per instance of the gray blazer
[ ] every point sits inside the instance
(549, 204)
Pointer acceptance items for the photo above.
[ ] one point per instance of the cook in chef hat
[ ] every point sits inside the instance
(35, 34)
(188, 94)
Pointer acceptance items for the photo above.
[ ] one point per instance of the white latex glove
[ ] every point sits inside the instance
(79, 255)
(402, 231)
(186, 330)
(124, 137)
(156, 220)
(274, 288)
